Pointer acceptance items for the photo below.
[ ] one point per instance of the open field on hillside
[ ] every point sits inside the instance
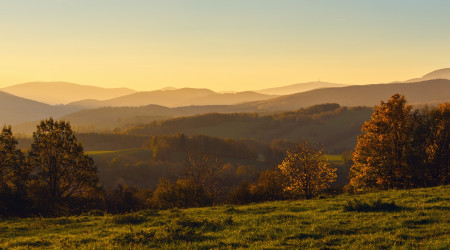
(419, 218)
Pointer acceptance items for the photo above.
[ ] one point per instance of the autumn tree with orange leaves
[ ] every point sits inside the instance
(381, 154)
(306, 171)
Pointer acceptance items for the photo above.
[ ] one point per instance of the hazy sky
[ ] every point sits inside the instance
(222, 45)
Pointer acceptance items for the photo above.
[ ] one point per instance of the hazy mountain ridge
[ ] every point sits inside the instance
(437, 74)
(299, 87)
(426, 92)
(174, 98)
(63, 92)
(16, 109)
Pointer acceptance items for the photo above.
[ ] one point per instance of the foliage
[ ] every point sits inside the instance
(422, 223)
(14, 176)
(126, 198)
(181, 194)
(62, 173)
(328, 124)
(431, 137)
(203, 170)
(306, 171)
(400, 149)
(270, 186)
(380, 156)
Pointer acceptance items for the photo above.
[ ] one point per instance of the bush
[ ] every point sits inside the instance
(370, 206)
(181, 194)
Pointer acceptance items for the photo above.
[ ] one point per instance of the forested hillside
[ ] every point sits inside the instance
(333, 126)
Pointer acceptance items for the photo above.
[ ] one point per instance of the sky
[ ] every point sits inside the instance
(222, 45)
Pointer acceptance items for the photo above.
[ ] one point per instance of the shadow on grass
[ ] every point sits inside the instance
(33, 243)
(413, 223)
(302, 236)
(261, 210)
(179, 229)
(356, 205)
(128, 219)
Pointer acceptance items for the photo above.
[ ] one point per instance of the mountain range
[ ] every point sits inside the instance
(178, 102)
(299, 87)
(417, 93)
(16, 109)
(174, 98)
(437, 74)
(63, 92)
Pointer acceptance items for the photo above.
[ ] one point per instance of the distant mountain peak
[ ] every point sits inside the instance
(63, 92)
(298, 87)
(438, 74)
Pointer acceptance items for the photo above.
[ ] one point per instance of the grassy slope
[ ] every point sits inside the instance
(422, 222)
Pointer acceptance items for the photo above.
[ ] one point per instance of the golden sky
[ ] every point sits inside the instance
(221, 45)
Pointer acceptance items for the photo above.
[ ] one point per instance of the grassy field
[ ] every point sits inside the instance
(419, 218)
(138, 152)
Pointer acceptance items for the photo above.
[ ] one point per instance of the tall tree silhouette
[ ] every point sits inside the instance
(63, 173)
(13, 175)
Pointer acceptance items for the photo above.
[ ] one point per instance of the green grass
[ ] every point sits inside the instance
(419, 218)
(131, 152)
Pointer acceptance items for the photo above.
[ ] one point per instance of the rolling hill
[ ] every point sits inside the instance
(16, 109)
(327, 124)
(417, 93)
(63, 92)
(297, 88)
(174, 98)
(437, 74)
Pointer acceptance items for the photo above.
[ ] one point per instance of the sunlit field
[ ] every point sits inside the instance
(417, 218)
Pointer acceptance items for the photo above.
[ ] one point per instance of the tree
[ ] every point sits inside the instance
(306, 170)
(203, 170)
(12, 161)
(269, 186)
(381, 154)
(14, 175)
(63, 173)
(431, 144)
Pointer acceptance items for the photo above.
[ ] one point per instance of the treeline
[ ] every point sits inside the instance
(163, 156)
(318, 123)
(162, 146)
(300, 117)
(330, 125)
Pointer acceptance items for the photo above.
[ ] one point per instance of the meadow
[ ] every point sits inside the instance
(416, 218)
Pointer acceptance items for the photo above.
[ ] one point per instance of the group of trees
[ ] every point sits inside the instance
(55, 177)
(401, 148)
(303, 173)
(164, 145)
